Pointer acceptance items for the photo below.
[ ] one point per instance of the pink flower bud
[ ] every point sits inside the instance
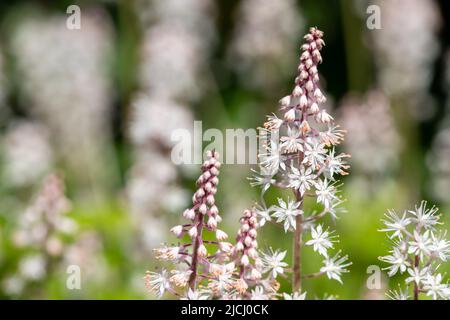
(221, 235)
(193, 232)
(285, 102)
(214, 171)
(239, 246)
(212, 223)
(177, 230)
(303, 101)
(210, 199)
(203, 209)
(214, 210)
(290, 115)
(244, 260)
(304, 75)
(215, 181)
(202, 251)
(248, 241)
(255, 274)
(314, 108)
(297, 91)
(189, 214)
(252, 253)
(225, 247)
(206, 175)
(200, 193)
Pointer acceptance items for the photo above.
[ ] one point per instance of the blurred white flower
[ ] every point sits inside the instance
(27, 154)
(264, 41)
(33, 267)
(65, 83)
(399, 59)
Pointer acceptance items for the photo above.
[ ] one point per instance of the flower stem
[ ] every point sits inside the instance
(416, 287)
(197, 242)
(297, 252)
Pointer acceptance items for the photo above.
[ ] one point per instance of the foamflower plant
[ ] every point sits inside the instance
(417, 250)
(299, 155)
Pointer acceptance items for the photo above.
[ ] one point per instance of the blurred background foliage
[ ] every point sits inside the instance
(96, 107)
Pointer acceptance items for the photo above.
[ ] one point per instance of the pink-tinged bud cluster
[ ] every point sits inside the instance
(201, 265)
(204, 213)
(45, 221)
(245, 251)
(306, 95)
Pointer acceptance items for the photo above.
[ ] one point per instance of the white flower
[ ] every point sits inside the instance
(261, 179)
(273, 262)
(272, 160)
(335, 266)
(434, 288)
(315, 154)
(425, 217)
(287, 212)
(398, 261)
(177, 230)
(332, 136)
(167, 253)
(222, 279)
(195, 295)
(263, 214)
(259, 294)
(157, 282)
(301, 179)
(398, 295)
(335, 208)
(180, 277)
(293, 141)
(325, 192)
(294, 296)
(417, 275)
(395, 223)
(273, 122)
(321, 240)
(421, 244)
(440, 247)
(336, 164)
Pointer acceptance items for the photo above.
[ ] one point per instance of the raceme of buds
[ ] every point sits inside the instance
(245, 250)
(196, 266)
(418, 249)
(41, 232)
